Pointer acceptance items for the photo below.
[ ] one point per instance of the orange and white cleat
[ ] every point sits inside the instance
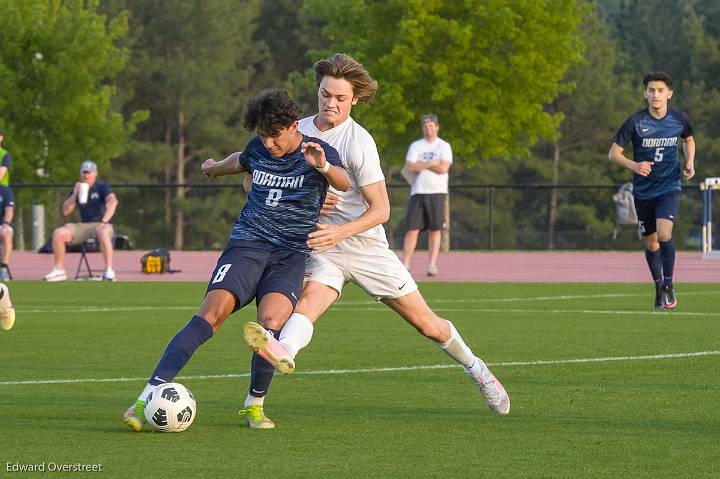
(7, 312)
(264, 343)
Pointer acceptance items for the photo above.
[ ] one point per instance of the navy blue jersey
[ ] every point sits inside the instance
(657, 141)
(287, 193)
(7, 199)
(94, 209)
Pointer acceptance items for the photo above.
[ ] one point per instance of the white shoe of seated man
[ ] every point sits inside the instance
(56, 275)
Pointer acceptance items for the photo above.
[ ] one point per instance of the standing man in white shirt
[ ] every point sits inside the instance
(429, 158)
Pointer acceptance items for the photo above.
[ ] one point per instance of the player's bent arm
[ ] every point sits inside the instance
(689, 151)
(378, 212)
(616, 155)
(3, 172)
(338, 178)
(229, 166)
(247, 182)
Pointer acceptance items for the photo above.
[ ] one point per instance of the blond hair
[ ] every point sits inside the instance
(344, 66)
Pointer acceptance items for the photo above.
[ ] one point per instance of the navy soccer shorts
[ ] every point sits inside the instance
(251, 269)
(426, 212)
(649, 211)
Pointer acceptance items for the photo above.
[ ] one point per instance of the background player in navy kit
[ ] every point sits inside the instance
(266, 254)
(654, 133)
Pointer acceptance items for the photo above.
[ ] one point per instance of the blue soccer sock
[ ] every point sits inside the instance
(261, 372)
(667, 254)
(180, 349)
(655, 264)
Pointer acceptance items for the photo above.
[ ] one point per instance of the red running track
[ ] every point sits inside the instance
(461, 266)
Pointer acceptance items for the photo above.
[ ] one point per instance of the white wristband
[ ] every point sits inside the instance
(325, 168)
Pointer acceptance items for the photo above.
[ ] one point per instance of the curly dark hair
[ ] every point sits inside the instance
(271, 111)
(658, 76)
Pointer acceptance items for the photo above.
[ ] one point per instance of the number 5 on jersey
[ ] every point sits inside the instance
(659, 155)
(221, 272)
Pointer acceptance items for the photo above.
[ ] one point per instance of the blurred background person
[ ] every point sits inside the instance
(429, 158)
(97, 204)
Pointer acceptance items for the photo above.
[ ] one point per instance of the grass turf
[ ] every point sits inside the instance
(351, 410)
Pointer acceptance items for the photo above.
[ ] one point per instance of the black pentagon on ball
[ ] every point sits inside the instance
(185, 415)
(160, 417)
(170, 394)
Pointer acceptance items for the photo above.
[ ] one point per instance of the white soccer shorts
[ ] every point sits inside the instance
(366, 262)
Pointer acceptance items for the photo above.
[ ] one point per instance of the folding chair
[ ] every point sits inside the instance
(87, 273)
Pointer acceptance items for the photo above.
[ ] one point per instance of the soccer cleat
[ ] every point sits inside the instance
(4, 273)
(264, 343)
(134, 417)
(56, 275)
(669, 301)
(432, 270)
(7, 312)
(658, 298)
(497, 398)
(255, 417)
(109, 275)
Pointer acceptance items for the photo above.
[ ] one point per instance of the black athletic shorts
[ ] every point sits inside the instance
(426, 212)
(251, 269)
(649, 211)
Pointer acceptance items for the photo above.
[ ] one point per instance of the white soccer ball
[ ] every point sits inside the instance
(170, 407)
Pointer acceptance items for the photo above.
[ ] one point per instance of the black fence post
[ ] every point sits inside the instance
(491, 220)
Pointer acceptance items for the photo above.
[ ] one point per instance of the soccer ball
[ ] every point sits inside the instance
(170, 407)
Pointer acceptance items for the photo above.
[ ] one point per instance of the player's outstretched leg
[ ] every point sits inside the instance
(667, 252)
(492, 390)
(264, 343)
(7, 312)
(177, 353)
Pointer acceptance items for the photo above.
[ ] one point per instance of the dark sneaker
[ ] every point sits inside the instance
(658, 298)
(669, 301)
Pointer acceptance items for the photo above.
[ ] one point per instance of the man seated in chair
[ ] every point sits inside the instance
(97, 204)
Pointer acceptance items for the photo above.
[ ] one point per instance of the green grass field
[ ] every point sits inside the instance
(591, 394)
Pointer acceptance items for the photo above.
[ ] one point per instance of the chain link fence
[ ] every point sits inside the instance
(482, 217)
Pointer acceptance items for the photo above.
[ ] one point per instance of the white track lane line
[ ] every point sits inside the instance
(539, 362)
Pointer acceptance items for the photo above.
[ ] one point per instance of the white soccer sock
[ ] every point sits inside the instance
(456, 348)
(296, 334)
(250, 399)
(143, 395)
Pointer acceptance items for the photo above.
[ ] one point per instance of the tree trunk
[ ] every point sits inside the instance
(552, 210)
(168, 192)
(180, 191)
(19, 229)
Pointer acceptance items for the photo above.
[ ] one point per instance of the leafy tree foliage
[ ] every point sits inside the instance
(486, 68)
(57, 61)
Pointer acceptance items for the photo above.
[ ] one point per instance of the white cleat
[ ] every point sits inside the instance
(264, 343)
(497, 398)
(7, 312)
(56, 275)
(109, 275)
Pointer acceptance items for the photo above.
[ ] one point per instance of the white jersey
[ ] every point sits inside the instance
(427, 181)
(360, 157)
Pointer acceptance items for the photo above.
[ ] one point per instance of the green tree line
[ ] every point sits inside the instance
(528, 91)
